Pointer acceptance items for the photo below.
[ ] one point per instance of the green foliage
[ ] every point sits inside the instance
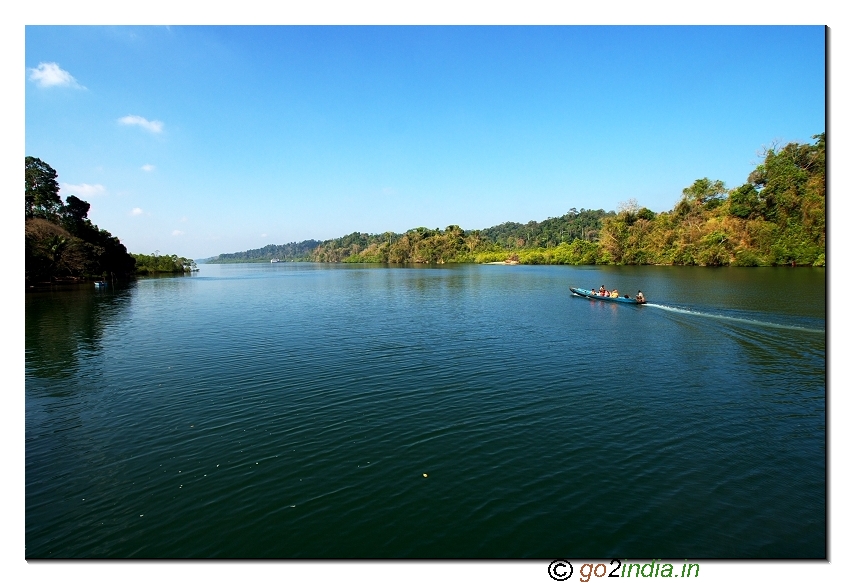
(745, 202)
(454, 244)
(41, 190)
(150, 264)
(785, 176)
(289, 252)
(777, 218)
(705, 192)
(746, 258)
(645, 214)
(576, 224)
(491, 256)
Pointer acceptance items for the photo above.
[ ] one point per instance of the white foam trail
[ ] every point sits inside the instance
(734, 319)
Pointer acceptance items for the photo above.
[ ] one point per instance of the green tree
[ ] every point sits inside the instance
(706, 193)
(74, 215)
(745, 202)
(42, 190)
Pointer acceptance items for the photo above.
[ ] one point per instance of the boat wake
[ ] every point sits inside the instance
(734, 319)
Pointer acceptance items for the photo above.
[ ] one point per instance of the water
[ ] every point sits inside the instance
(292, 410)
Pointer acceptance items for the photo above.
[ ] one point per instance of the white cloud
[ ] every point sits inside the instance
(137, 120)
(137, 211)
(176, 233)
(148, 167)
(83, 190)
(264, 235)
(52, 75)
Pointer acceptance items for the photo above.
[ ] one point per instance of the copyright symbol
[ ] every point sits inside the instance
(560, 570)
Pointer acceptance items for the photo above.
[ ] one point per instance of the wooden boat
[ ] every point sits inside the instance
(585, 293)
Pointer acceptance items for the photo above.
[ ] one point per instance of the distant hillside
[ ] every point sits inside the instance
(581, 224)
(289, 252)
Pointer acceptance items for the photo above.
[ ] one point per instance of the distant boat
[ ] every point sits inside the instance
(275, 260)
(99, 284)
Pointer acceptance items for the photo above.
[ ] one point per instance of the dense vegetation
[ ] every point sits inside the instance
(778, 217)
(288, 252)
(452, 245)
(157, 263)
(62, 244)
(583, 224)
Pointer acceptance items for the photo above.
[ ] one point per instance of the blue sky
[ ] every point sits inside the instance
(206, 140)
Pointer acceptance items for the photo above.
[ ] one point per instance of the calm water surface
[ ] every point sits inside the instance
(292, 410)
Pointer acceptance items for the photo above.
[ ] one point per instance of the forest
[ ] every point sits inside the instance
(156, 263)
(289, 252)
(777, 217)
(63, 245)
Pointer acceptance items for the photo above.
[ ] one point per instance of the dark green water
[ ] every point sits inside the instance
(291, 410)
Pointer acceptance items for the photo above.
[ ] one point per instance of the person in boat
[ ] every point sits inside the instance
(602, 290)
(593, 291)
(615, 294)
(639, 297)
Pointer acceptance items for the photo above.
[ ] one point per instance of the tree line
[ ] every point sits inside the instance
(777, 217)
(62, 244)
(450, 245)
(288, 252)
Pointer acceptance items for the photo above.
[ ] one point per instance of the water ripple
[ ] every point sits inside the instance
(296, 411)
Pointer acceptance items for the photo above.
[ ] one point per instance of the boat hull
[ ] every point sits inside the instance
(585, 293)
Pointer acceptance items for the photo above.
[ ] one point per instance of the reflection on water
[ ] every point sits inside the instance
(63, 323)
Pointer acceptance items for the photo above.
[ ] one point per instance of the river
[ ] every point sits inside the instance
(476, 411)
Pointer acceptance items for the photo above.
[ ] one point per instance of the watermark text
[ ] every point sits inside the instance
(562, 570)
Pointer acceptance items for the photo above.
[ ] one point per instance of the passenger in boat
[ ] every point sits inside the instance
(615, 294)
(593, 291)
(639, 297)
(602, 290)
